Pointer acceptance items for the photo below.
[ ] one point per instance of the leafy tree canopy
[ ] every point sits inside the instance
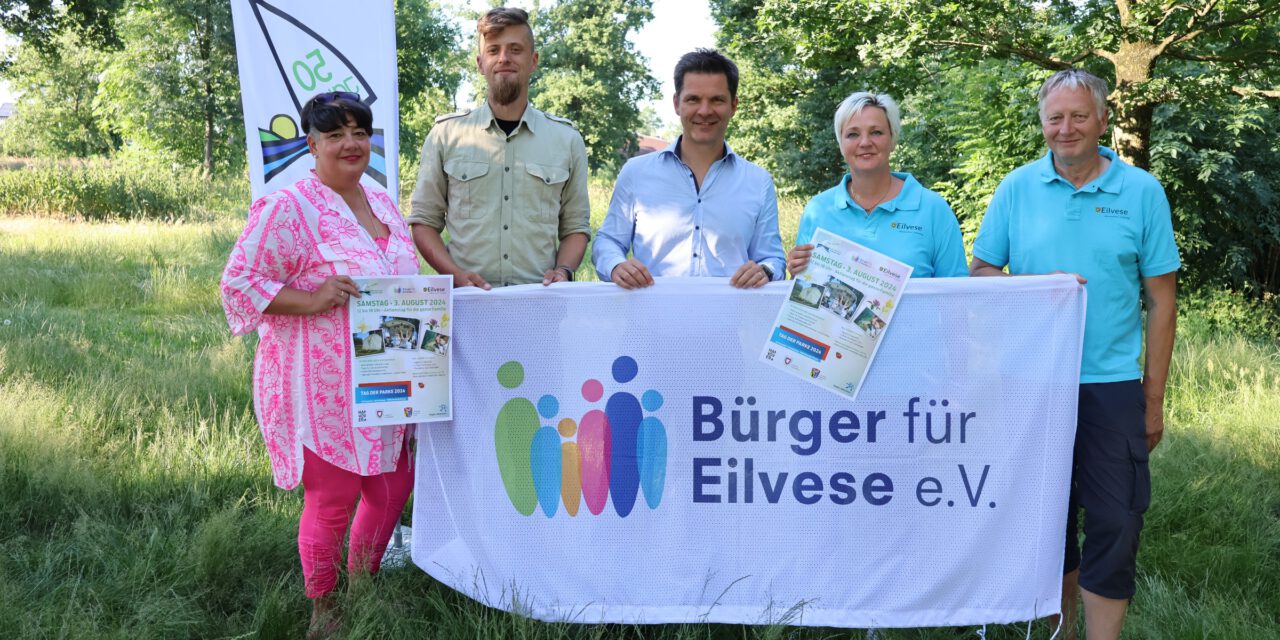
(589, 72)
(1146, 48)
(430, 63)
(172, 88)
(59, 89)
(40, 21)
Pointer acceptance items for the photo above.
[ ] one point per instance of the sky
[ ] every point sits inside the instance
(678, 27)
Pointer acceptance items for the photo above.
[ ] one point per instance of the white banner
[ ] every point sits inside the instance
(290, 50)
(623, 456)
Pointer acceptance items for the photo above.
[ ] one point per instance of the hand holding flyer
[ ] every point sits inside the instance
(401, 359)
(831, 324)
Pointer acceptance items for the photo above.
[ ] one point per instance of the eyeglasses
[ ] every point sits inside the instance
(326, 98)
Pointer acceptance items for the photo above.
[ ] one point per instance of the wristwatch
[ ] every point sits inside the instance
(767, 271)
(568, 273)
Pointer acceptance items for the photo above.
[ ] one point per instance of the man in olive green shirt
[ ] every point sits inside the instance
(509, 182)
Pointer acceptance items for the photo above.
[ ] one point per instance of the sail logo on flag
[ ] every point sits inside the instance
(611, 454)
(307, 64)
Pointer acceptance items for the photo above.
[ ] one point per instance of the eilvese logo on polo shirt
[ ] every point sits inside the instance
(1111, 212)
(906, 228)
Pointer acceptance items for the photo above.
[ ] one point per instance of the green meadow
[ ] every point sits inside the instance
(136, 499)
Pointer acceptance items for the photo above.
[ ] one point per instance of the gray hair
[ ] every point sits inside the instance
(857, 101)
(1075, 79)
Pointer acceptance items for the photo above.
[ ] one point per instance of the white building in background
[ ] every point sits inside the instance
(7, 99)
(8, 102)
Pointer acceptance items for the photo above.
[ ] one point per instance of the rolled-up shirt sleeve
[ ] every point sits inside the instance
(270, 253)
(575, 203)
(613, 241)
(431, 194)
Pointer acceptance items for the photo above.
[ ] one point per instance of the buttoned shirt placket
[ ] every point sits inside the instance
(1077, 202)
(697, 259)
(870, 220)
(508, 191)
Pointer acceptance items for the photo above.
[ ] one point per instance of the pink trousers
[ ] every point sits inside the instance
(329, 497)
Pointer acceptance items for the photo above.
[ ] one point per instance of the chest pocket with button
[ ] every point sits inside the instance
(545, 186)
(464, 186)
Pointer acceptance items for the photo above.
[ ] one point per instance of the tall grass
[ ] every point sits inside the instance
(115, 189)
(136, 500)
(131, 482)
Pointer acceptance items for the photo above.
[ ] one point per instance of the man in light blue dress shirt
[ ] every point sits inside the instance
(695, 208)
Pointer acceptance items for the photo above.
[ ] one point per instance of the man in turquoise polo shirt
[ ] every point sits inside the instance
(1083, 210)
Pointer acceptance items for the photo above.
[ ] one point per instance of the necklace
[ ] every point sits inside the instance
(878, 202)
(364, 216)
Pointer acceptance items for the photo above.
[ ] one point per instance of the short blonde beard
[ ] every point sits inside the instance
(503, 91)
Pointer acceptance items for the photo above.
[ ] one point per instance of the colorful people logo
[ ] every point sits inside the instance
(618, 451)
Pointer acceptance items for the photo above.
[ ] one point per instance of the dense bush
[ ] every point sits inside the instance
(123, 189)
(14, 143)
(1216, 312)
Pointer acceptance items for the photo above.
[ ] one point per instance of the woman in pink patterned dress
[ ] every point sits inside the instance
(289, 277)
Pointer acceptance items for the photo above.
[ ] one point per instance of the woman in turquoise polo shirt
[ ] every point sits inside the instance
(883, 210)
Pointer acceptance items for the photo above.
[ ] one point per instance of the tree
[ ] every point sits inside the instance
(1220, 164)
(173, 87)
(40, 22)
(58, 86)
(589, 73)
(430, 63)
(1138, 45)
(783, 108)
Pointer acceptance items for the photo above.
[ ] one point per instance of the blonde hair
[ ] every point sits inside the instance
(856, 102)
(500, 18)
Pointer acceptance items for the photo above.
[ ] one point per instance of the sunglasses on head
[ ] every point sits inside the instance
(326, 98)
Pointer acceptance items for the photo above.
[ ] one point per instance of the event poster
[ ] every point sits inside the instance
(400, 347)
(836, 314)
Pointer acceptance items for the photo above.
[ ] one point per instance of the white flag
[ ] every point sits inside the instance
(290, 50)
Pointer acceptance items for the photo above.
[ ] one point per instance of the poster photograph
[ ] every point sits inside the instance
(831, 324)
(400, 331)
